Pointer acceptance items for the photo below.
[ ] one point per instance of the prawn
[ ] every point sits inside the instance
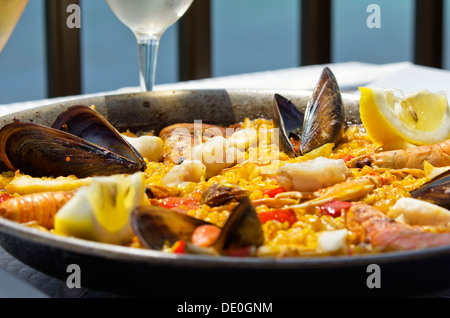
(375, 227)
(40, 207)
(179, 139)
(345, 191)
(437, 155)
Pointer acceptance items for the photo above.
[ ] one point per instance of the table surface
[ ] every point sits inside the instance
(20, 280)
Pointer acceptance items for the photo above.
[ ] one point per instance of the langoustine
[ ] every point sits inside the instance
(381, 231)
(39, 207)
(349, 190)
(437, 155)
(179, 139)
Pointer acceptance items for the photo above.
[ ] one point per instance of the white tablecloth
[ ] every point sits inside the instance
(19, 280)
(349, 76)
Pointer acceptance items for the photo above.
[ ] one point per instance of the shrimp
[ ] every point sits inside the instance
(375, 227)
(179, 139)
(437, 155)
(40, 207)
(345, 191)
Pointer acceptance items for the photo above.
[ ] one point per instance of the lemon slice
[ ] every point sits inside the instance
(394, 120)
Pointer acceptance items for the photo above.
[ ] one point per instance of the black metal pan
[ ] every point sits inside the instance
(146, 273)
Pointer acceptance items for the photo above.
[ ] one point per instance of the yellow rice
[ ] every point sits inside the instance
(281, 239)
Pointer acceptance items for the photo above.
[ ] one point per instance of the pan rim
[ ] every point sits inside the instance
(104, 250)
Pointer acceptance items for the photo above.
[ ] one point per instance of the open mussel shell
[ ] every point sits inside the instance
(219, 194)
(436, 191)
(157, 226)
(43, 151)
(289, 120)
(88, 124)
(324, 116)
(242, 229)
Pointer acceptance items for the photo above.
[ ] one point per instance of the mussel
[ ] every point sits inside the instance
(436, 191)
(289, 120)
(156, 226)
(219, 194)
(323, 121)
(81, 143)
(242, 229)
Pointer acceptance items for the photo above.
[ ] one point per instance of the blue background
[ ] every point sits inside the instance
(248, 36)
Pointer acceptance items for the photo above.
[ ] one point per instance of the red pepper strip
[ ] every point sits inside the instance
(278, 215)
(4, 197)
(179, 246)
(174, 202)
(347, 158)
(273, 192)
(335, 208)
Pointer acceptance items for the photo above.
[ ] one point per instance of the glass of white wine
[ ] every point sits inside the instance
(148, 19)
(10, 12)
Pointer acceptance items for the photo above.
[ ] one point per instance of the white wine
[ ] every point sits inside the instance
(149, 17)
(10, 12)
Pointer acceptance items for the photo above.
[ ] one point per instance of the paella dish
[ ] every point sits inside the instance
(292, 184)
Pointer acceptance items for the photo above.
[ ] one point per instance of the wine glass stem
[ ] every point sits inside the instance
(148, 51)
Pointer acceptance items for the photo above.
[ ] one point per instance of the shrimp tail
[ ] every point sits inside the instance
(437, 155)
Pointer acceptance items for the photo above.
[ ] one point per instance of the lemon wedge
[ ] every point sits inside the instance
(101, 211)
(396, 121)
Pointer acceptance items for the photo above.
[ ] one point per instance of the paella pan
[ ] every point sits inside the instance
(265, 190)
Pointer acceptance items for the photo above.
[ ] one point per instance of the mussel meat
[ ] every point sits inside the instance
(80, 143)
(219, 194)
(436, 191)
(323, 121)
(156, 226)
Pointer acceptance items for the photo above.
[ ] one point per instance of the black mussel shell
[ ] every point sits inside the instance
(157, 226)
(219, 194)
(242, 229)
(88, 124)
(436, 190)
(324, 116)
(40, 151)
(81, 142)
(289, 120)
